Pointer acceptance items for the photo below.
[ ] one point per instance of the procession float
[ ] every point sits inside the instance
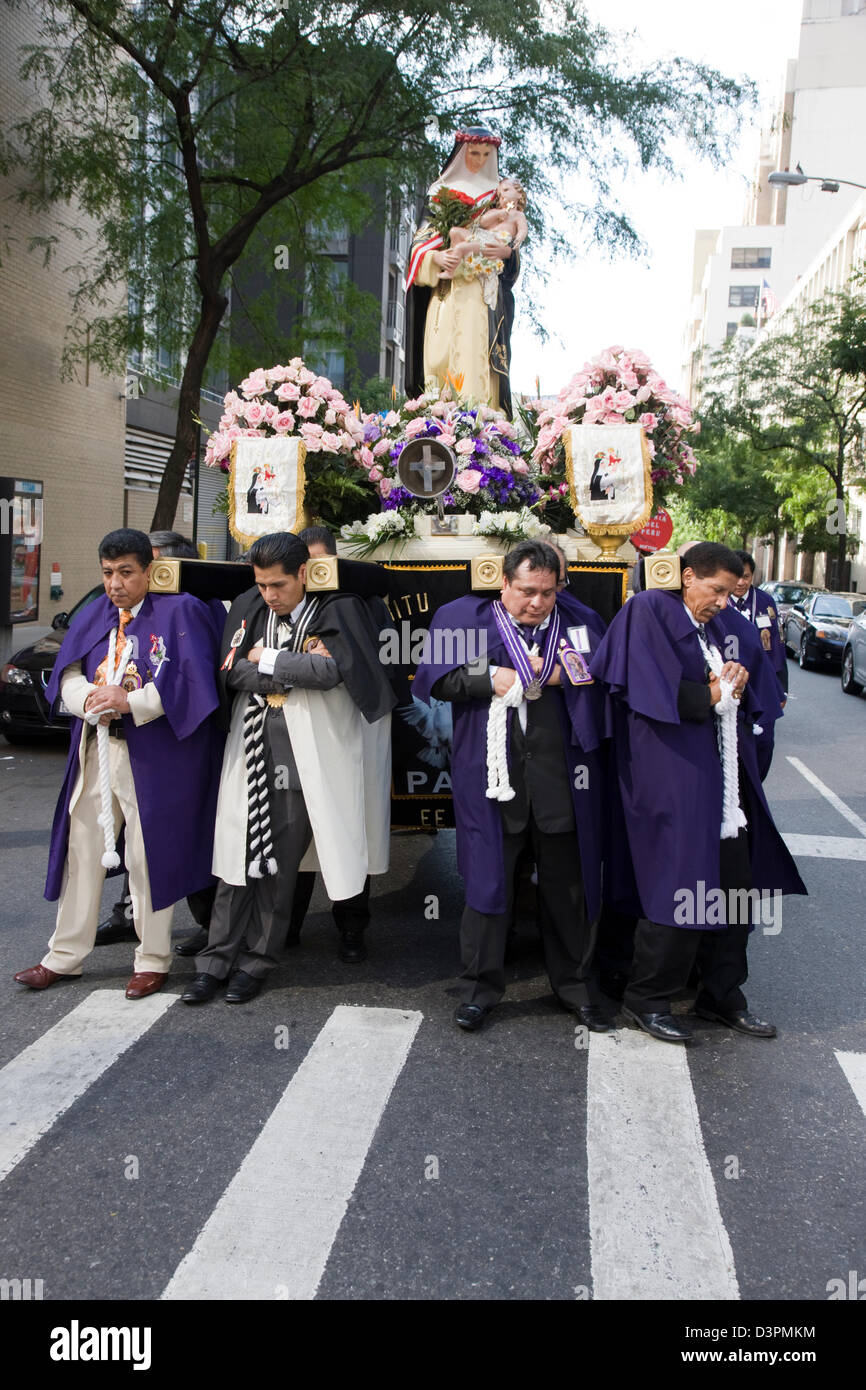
(437, 488)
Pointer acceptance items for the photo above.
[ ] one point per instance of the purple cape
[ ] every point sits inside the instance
(478, 821)
(175, 759)
(765, 691)
(670, 774)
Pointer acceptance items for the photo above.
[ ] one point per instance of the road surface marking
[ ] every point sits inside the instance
(853, 1065)
(831, 796)
(270, 1234)
(656, 1231)
(826, 846)
(38, 1085)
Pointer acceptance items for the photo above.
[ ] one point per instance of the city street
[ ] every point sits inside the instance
(339, 1138)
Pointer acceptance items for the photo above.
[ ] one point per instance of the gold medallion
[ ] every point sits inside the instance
(276, 701)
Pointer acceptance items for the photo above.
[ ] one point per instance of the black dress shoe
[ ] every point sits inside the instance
(242, 987)
(116, 931)
(351, 947)
(191, 945)
(470, 1017)
(662, 1026)
(593, 1018)
(742, 1020)
(201, 989)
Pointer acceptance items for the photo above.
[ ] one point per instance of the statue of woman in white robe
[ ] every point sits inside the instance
(454, 337)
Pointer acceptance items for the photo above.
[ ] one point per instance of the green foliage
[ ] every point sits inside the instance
(798, 399)
(732, 495)
(337, 493)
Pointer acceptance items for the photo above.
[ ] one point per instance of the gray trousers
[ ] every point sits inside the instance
(250, 921)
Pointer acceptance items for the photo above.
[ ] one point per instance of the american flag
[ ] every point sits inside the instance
(769, 302)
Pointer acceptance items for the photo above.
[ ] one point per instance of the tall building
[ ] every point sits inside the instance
(740, 274)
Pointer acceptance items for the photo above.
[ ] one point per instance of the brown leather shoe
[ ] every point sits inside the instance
(145, 982)
(38, 977)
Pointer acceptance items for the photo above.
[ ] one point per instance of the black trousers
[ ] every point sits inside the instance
(350, 914)
(567, 936)
(664, 956)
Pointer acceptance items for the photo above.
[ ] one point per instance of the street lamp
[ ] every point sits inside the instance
(784, 178)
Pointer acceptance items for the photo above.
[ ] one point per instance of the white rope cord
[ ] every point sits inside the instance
(733, 816)
(498, 786)
(110, 858)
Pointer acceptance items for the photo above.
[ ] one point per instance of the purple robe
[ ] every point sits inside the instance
(670, 773)
(765, 690)
(175, 759)
(478, 820)
(765, 606)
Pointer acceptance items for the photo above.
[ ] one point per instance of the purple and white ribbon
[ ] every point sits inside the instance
(517, 650)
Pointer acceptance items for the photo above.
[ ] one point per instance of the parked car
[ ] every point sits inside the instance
(24, 710)
(787, 592)
(854, 656)
(816, 630)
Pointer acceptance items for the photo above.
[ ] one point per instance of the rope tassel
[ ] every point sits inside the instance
(726, 710)
(499, 787)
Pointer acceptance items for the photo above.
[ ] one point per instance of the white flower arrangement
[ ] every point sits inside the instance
(511, 526)
(378, 528)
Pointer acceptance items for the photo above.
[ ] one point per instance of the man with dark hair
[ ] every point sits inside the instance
(137, 670)
(697, 824)
(171, 545)
(319, 540)
(525, 773)
(302, 672)
(757, 607)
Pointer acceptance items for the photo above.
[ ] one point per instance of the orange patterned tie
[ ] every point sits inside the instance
(120, 648)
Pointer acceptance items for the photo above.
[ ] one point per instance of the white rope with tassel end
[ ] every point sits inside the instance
(726, 710)
(110, 859)
(498, 786)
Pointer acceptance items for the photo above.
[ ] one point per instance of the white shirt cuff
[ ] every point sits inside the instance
(267, 660)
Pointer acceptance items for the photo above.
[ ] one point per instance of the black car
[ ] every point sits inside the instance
(787, 592)
(816, 629)
(24, 710)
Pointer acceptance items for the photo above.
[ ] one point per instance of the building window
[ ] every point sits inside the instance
(730, 330)
(743, 296)
(751, 257)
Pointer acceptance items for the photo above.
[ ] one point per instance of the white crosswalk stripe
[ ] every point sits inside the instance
(272, 1230)
(38, 1085)
(655, 1225)
(853, 1065)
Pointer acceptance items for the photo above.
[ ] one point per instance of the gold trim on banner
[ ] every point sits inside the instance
(241, 536)
(624, 528)
(412, 565)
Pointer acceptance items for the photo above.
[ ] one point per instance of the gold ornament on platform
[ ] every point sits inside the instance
(487, 571)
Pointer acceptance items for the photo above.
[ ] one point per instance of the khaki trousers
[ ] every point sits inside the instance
(83, 876)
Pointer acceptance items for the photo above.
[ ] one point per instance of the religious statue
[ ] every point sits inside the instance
(464, 261)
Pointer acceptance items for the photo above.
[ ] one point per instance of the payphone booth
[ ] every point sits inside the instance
(20, 550)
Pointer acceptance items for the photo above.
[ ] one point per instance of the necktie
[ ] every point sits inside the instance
(120, 648)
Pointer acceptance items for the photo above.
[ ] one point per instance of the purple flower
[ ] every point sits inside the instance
(397, 497)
